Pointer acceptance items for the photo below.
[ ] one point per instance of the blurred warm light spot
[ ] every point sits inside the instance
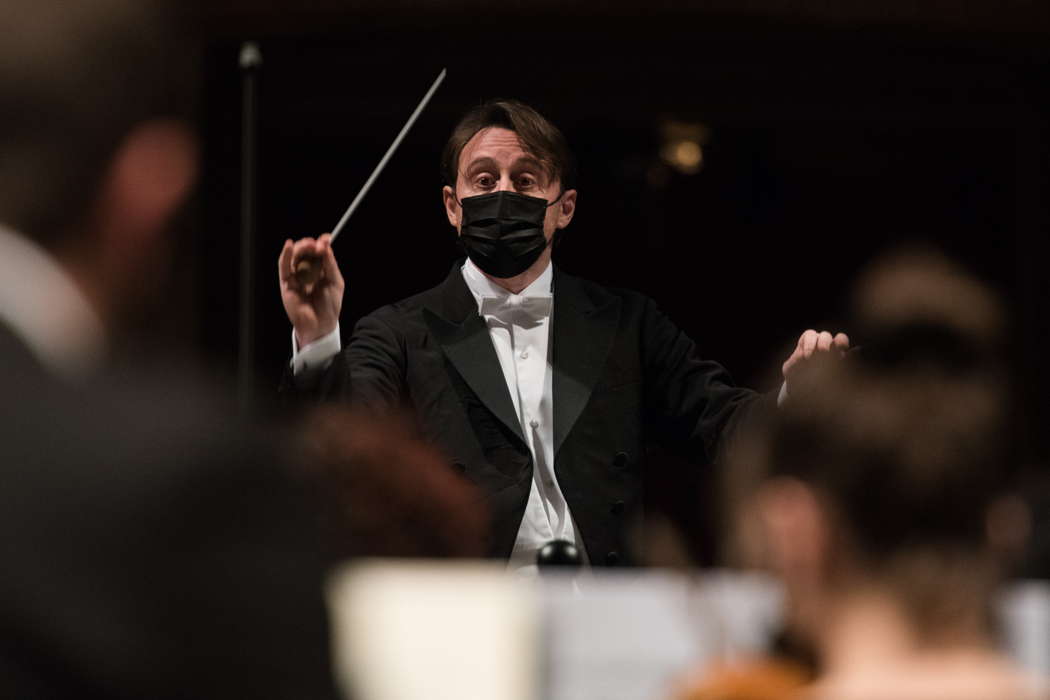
(683, 145)
(686, 156)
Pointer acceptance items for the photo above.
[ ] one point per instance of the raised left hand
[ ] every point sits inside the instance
(812, 343)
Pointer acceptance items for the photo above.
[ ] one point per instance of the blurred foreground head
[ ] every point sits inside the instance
(95, 157)
(887, 475)
(382, 492)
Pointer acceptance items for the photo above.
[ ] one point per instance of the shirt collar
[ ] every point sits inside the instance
(43, 306)
(481, 286)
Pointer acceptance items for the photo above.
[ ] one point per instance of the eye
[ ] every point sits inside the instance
(485, 182)
(526, 181)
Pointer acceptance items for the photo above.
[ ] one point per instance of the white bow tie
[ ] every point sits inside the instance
(506, 307)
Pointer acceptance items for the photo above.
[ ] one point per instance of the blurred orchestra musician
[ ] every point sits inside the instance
(153, 547)
(884, 497)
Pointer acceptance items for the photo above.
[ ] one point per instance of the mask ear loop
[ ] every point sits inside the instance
(557, 233)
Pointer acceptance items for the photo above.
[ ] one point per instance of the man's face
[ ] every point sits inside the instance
(494, 160)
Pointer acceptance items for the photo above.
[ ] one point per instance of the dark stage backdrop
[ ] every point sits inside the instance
(822, 145)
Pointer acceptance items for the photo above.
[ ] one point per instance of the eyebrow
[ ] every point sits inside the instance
(479, 163)
(529, 161)
(487, 162)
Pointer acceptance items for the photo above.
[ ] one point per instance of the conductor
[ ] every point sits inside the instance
(542, 388)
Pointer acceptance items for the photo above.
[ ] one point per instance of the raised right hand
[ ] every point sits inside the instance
(313, 309)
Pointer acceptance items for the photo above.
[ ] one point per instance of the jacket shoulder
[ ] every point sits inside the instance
(407, 310)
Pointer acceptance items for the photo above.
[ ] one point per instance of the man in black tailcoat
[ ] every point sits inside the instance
(542, 388)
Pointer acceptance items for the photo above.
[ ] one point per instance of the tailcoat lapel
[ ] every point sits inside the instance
(454, 322)
(583, 333)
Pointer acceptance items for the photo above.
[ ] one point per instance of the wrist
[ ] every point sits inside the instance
(305, 337)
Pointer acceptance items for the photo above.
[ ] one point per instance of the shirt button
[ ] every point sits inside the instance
(525, 355)
(534, 423)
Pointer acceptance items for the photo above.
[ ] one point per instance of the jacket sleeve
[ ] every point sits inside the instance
(369, 372)
(693, 404)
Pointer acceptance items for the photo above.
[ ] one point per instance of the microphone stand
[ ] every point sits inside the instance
(250, 61)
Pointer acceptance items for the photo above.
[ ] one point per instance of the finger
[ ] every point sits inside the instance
(797, 356)
(842, 342)
(320, 244)
(324, 242)
(824, 341)
(331, 267)
(305, 247)
(284, 262)
(808, 341)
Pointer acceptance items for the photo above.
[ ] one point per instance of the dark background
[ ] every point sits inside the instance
(835, 130)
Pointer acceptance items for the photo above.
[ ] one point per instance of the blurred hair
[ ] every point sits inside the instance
(907, 441)
(538, 137)
(381, 491)
(917, 307)
(75, 78)
(908, 438)
(906, 460)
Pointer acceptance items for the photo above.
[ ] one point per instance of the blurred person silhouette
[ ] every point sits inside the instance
(883, 497)
(153, 547)
(382, 492)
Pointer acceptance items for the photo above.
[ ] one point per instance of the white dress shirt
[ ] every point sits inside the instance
(520, 337)
(43, 306)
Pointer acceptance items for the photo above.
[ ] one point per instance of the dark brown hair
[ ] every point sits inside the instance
(539, 137)
(75, 78)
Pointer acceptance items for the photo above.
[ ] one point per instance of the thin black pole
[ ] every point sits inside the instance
(250, 61)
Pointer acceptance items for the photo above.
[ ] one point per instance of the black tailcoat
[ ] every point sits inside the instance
(625, 377)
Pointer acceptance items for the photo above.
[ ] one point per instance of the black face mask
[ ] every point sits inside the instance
(502, 232)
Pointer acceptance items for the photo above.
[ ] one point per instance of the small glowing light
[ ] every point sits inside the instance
(683, 146)
(685, 156)
(688, 154)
